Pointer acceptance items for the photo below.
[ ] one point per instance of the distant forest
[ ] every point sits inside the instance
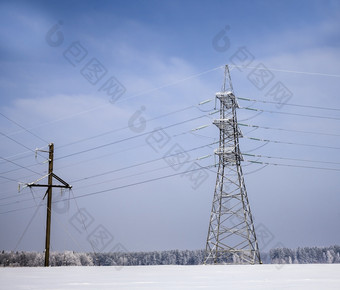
(306, 255)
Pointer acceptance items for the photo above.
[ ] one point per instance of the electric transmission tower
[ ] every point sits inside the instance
(231, 234)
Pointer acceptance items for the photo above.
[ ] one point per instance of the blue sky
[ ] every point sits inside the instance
(165, 55)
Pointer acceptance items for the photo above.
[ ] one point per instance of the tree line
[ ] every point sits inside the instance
(303, 255)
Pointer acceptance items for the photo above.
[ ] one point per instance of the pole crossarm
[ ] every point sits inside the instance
(46, 185)
(65, 184)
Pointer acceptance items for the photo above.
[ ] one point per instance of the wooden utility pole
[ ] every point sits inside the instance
(49, 204)
(49, 186)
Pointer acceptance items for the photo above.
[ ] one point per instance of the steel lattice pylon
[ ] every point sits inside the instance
(231, 235)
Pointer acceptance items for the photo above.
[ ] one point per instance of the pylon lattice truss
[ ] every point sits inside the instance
(231, 235)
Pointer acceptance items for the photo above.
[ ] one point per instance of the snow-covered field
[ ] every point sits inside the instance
(316, 276)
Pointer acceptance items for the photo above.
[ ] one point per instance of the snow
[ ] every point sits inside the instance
(310, 276)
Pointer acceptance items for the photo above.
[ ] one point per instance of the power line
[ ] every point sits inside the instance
(197, 148)
(273, 141)
(154, 160)
(290, 165)
(82, 220)
(123, 128)
(10, 179)
(7, 197)
(256, 170)
(8, 157)
(141, 173)
(257, 148)
(175, 82)
(289, 104)
(26, 167)
(118, 187)
(128, 138)
(16, 202)
(288, 71)
(291, 143)
(123, 168)
(289, 130)
(124, 150)
(208, 168)
(134, 165)
(15, 196)
(17, 142)
(252, 117)
(140, 164)
(119, 129)
(141, 182)
(16, 169)
(131, 97)
(18, 209)
(176, 174)
(167, 114)
(22, 127)
(179, 81)
(29, 223)
(20, 177)
(115, 179)
(292, 159)
(17, 165)
(100, 157)
(288, 113)
(31, 220)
